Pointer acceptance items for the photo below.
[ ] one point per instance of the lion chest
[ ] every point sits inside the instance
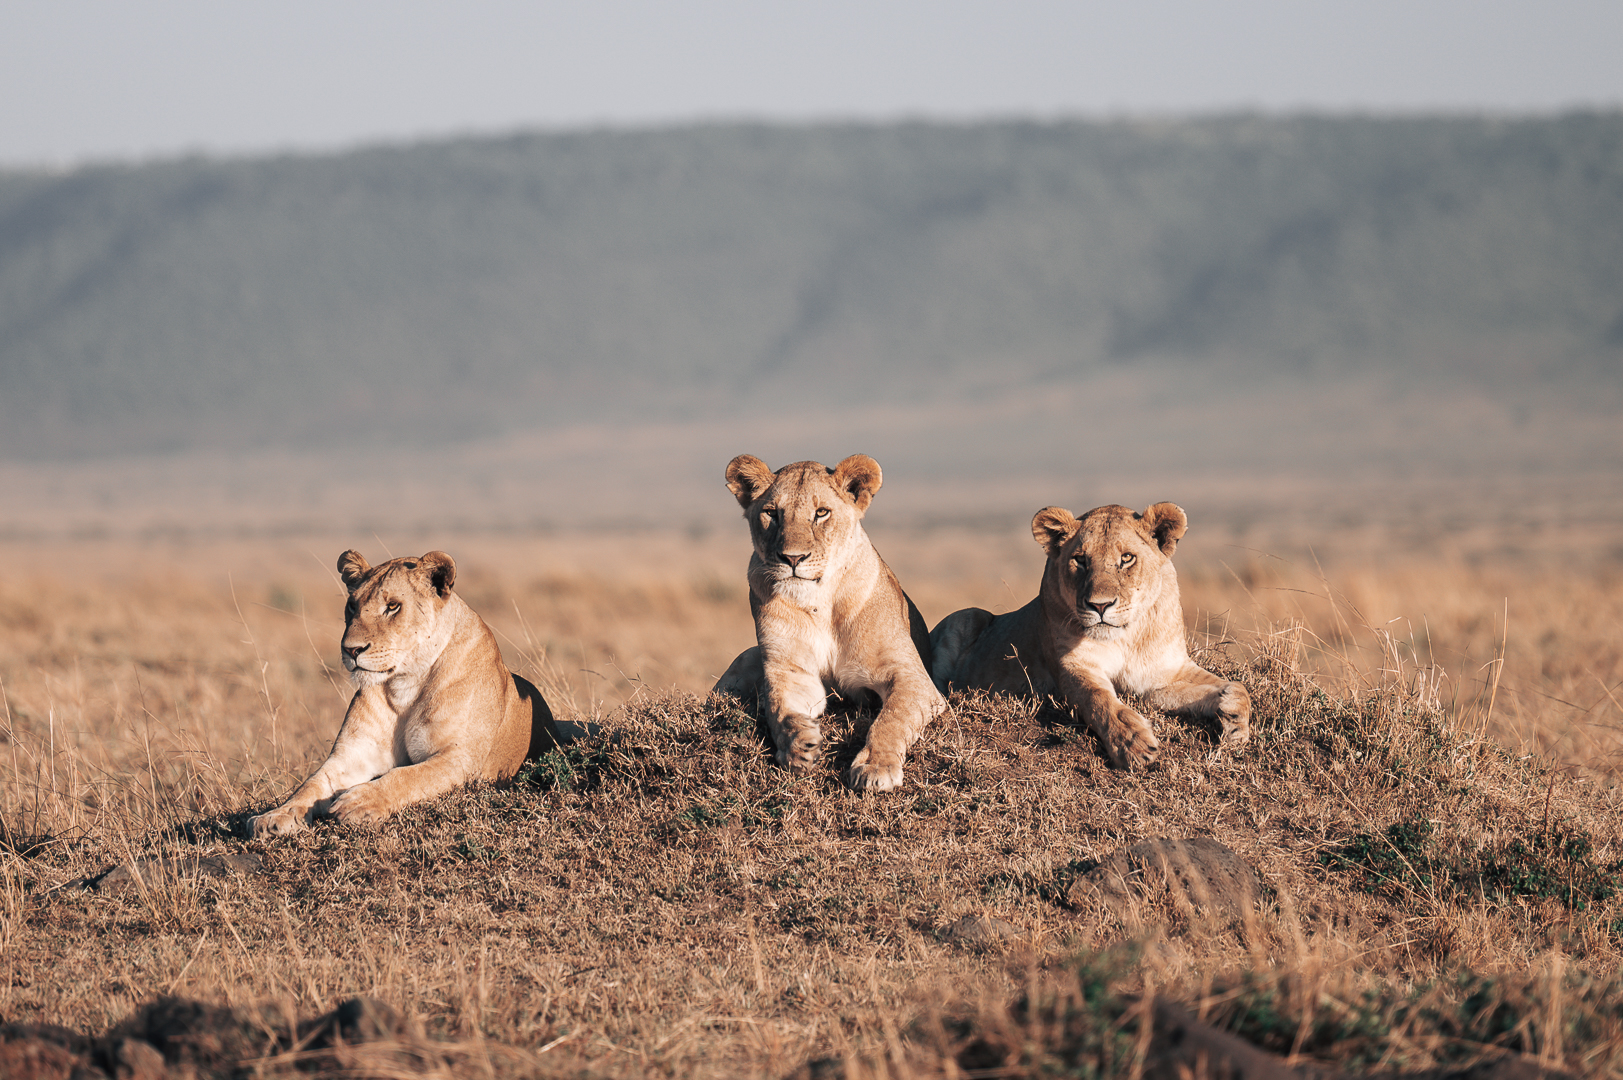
(799, 630)
(1138, 666)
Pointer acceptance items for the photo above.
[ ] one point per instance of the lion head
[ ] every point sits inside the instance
(1109, 567)
(805, 516)
(392, 622)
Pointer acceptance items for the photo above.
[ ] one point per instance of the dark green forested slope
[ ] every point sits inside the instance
(485, 283)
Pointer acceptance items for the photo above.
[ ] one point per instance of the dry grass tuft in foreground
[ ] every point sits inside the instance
(660, 898)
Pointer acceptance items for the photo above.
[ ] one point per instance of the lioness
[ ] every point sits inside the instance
(828, 614)
(434, 704)
(1107, 618)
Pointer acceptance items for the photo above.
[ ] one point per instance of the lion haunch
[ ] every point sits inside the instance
(1107, 618)
(829, 614)
(434, 704)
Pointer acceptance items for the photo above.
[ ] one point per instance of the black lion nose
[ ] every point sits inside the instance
(353, 651)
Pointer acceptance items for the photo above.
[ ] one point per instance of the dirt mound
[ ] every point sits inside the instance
(1199, 875)
(177, 1037)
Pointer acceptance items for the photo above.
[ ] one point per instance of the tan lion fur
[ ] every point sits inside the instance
(829, 614)
(1106, 618)
(434, 704)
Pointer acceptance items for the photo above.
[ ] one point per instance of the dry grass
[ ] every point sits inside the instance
(662, 899)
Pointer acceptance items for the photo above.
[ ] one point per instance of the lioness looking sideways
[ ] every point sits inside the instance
(1107, 618)
(434, 704)
(828, 614)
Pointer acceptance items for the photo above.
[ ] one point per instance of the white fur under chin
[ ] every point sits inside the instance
(361, 678)
(802, 592)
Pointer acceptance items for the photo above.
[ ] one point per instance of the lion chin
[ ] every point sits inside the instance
(360, 677)
(1113, 561)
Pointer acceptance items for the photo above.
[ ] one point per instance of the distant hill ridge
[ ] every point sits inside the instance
(485, 284)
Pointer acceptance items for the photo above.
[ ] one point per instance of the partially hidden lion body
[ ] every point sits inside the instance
(829, 615)
(1107, 618)
(434, 704)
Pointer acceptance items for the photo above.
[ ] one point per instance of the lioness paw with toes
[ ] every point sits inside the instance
(871, 773)
(1234, 712)
(805, 748)
(282, 821)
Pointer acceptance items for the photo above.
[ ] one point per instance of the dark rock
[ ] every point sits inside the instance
(1183, 1046)
(206, 1039)
(51, 1033)
(1200, 874)
(358, 1020)
(979, 930)
(133, 1059)
(158, 867)
(31, 1057)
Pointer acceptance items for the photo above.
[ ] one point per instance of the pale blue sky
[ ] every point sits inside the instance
(97, 79)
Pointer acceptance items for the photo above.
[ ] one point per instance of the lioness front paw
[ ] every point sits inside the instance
(279, 822)
(1130, 741)
(362, 805)
(804, 749)
(869, 775)
(1234, 712)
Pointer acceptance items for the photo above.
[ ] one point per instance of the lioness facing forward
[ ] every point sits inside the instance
(828, 614)
(434, 704)
(1107, 618)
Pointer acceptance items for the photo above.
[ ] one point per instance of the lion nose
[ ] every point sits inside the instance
(794, 560)
(1101, 606)
(353, 651)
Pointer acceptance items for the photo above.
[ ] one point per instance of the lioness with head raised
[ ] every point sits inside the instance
(1107, 618)
(434, 704)
(829, 614)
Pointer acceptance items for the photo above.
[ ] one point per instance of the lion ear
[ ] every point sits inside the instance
(441, 571)
(858, 477)
(352, 567)
(1052, 526)
(747, 477)
(1167, 523)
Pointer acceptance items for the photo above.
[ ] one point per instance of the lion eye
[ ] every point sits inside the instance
(392, 607)
(822, 512)
(1128, 559)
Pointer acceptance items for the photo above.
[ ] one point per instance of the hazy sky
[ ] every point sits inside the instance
(96, 79)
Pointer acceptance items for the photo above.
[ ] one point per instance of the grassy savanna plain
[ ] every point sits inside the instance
(1432, 803)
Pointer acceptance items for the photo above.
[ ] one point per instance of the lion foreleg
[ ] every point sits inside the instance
(796, 698)
(1194, 691)
(364, 749)
(370, 803)
(1128, 738)
(912, 703)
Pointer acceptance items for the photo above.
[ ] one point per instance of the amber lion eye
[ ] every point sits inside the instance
(1128, 559)
(392, 607)
(822, 512)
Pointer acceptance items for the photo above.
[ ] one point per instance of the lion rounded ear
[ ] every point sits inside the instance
(858, 477)
(441, 570)
(747, 477)
(1052, 526)
(1167, 523)
(352, 567)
